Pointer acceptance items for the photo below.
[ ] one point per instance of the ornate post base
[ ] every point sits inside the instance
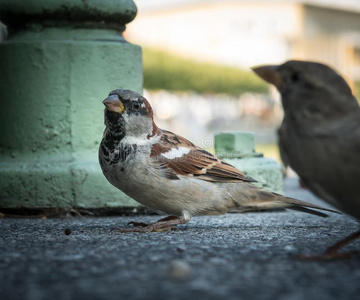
(56, 68)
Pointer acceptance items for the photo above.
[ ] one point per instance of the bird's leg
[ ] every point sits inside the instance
(165, 224)
(333, 251)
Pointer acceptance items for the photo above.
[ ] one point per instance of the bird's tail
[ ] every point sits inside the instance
(306, 207)
(254, 198)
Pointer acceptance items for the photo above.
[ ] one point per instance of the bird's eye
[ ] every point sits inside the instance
(136, 105)
(296, 77)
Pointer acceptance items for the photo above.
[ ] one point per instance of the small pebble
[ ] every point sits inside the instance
(67, 231)
(181, 248)
(179, 269)
(289, 248)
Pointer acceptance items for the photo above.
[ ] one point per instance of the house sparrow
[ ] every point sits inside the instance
(320, 134)
(168, 173)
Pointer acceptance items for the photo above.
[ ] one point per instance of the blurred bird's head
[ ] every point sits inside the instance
(308, 85)
(129, 113)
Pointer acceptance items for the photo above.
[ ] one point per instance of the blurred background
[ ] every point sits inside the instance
(197, 56)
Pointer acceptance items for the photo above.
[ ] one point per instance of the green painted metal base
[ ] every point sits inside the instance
(51, 115)
(238, 149)
(61, 183)
(266, 171)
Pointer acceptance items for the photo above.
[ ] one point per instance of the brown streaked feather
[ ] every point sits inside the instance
(173, 139)
(197, 163)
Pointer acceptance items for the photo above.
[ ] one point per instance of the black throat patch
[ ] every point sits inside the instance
(119, 152)
(111, 147)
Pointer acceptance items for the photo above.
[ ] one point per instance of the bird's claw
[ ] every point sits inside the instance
(163, 225)
(137, 224)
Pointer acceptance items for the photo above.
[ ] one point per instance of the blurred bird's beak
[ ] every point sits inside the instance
(114, 104)
(270, 74)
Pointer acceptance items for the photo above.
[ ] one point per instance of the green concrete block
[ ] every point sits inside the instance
(60, 182)
(266, 171)
(54, 78)
(91, 188)
(238, 148)
(235, 144)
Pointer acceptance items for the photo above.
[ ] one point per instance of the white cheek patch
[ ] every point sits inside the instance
(176, 153)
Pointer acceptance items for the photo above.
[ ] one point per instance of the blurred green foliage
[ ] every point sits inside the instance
(163, 70)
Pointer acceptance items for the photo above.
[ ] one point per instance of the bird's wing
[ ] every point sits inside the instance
(178, 156)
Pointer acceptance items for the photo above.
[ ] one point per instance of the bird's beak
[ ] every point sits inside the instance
(114, 104)
(270, 74)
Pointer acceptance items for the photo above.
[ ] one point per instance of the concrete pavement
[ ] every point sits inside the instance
(236, 256)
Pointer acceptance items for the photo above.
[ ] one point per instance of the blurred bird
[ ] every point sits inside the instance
(320, 134)
(168, 173)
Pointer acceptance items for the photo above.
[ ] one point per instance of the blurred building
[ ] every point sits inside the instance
(245, 33)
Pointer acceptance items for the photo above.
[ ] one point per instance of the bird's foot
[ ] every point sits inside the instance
(333, 251)
(162, 225)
